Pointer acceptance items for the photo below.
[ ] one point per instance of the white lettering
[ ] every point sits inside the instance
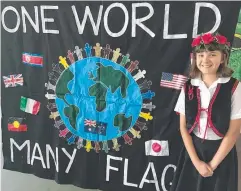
(108, 167)
(35, 24)
(56, 160)
(126, 175)
(139, 21)
(10, 8)
(196, 17)
(122, 31)
(45, 20)
(87, 14)
(164, 175)
(166, 25)
(71, 158)
(155, 181)
(27, 142)
(40, 157)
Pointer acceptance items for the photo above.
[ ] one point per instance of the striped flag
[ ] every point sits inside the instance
(13, 80)
(32, 59)
(17, 124)
(29, 105)
(174, 81)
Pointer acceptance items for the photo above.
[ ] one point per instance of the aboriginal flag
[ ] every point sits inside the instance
(17, 124)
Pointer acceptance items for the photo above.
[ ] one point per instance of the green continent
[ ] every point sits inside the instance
(122, 122)
(61, 87)
(112, 78)
(107, 77)
(99, 91)
(71, 112)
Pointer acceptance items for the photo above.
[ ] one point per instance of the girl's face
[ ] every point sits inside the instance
(208, 62)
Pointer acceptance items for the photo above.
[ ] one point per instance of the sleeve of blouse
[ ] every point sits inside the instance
(236, 103)
(180, 105)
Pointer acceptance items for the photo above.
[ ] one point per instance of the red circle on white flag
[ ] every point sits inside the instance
(156, 147)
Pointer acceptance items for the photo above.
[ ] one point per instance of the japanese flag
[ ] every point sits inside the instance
(156, 148)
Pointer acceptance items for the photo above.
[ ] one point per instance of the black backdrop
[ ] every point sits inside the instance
(129, 168)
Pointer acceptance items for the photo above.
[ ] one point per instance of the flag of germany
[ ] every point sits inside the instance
(17, 124)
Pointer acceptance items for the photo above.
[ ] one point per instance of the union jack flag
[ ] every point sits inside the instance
(13, 80)
(90, 123)
(95, 127)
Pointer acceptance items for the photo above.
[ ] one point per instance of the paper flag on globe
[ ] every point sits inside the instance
(156, 148)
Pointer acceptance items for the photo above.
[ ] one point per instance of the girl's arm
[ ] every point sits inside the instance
(187, 139)
(203, 168)
(233, 133)
(227, 143)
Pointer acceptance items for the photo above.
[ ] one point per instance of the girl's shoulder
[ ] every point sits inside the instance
(189, 84)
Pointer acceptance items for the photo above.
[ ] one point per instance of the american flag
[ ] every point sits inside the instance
(174, 81)
(13, 80)
(90, 123)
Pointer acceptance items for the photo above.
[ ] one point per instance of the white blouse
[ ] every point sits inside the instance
(206, 95)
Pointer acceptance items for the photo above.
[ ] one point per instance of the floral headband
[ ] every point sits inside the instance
(207, 39)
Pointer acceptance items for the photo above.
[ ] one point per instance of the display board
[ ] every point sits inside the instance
(89, 88)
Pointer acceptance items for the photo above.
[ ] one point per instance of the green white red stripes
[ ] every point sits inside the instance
(29, 105)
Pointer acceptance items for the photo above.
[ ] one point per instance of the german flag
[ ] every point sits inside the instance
(17, 124)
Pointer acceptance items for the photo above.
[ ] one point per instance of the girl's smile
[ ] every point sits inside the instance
(208, 62)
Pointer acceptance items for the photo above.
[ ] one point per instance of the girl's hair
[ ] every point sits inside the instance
(223, 70)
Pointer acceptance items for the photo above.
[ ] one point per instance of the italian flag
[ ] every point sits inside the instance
(29, 105)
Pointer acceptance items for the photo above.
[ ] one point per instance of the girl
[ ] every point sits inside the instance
(210, 119)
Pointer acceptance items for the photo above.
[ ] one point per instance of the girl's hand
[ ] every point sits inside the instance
(212, 165)
(204, 169)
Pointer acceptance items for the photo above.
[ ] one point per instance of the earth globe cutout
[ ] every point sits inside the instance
(98, 99)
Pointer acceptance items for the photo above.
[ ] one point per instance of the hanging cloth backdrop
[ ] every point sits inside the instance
(88, 88)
